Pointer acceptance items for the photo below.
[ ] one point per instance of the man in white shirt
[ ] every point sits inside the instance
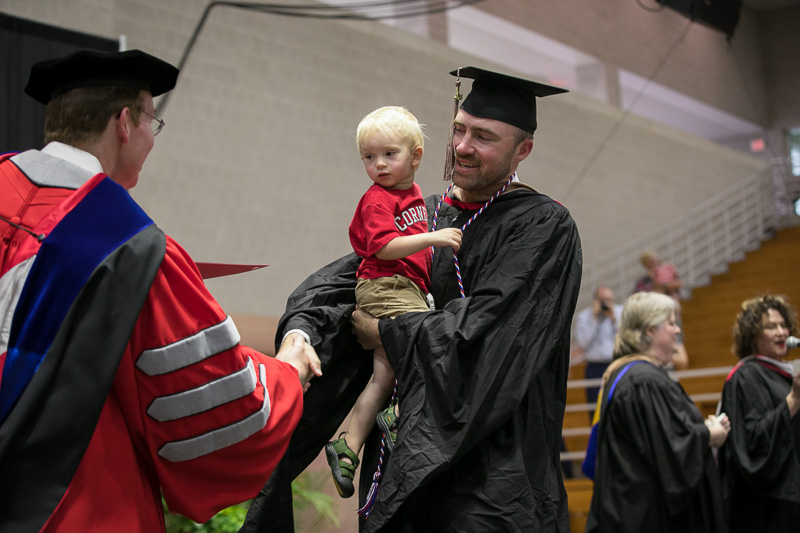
(595, 329)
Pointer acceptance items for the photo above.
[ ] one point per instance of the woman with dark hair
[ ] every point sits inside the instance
(655, 468)
(760, 462)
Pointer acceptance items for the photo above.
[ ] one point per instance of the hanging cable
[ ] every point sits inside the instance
(408, 8)
(625, 114)
(651, 9)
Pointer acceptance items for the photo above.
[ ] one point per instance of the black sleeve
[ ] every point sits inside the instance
(464, 370)
(321, 306)
(761, 445)
(669, 433)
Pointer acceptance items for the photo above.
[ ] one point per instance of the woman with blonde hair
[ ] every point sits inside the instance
(655, 469)
(760, 463)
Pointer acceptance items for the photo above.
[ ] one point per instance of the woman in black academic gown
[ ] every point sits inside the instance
(760, 462)
(655, 468)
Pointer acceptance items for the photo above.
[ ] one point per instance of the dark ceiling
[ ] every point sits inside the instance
(766, 5)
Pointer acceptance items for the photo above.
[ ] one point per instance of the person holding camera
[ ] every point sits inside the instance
(595, 329)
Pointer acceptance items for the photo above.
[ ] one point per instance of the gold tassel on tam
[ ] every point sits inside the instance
(450, 156)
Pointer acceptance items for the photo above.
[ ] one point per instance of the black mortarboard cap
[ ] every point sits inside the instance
(504, 98)
(88, 68)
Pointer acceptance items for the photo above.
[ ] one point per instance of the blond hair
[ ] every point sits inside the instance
(394, 121)
(642, 311)
(647, 256)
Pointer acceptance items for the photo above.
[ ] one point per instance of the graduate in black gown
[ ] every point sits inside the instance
(655, 469)
(760, 462)
(482, 378)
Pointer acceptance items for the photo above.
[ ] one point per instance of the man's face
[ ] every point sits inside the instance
(140, 141)
(487, 153)
(606, 297)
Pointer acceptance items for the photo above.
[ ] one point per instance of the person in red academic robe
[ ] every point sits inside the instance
(122, 377)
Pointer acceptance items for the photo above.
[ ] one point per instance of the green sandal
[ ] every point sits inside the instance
(387, 422)
(342, 471)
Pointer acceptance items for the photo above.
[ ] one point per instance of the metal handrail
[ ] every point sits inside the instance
(581, 431)
(699, 397)
(703, 241)
(677, 375)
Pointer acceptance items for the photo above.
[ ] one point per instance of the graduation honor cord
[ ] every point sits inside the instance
(464, 227)
(376, 477)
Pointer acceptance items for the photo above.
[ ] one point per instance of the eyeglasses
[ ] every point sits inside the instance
(156, 124)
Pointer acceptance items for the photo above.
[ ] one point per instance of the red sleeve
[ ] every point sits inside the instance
(214, 416)
(373, 225)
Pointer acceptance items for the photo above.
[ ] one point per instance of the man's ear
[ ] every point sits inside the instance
(124, 125)
(524, 149)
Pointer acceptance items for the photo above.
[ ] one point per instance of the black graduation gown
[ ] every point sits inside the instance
(655, 471)
(482, 379)
(760, 461)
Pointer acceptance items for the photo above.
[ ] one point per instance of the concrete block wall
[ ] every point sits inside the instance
(644, 176)
(258, 162)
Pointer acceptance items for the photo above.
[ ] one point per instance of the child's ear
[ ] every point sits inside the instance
(416, 156)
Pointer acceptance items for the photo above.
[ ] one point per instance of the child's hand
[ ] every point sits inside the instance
(447, 237)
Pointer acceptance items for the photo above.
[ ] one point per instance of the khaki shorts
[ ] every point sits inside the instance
(390, 296)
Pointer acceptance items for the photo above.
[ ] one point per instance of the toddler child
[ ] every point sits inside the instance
(389, 231)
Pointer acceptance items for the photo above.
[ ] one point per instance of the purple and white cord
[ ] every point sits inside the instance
(464, 227)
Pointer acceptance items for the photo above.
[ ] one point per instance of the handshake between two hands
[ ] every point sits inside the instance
(302, 356)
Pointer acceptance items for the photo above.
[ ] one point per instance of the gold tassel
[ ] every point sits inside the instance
(450, 155)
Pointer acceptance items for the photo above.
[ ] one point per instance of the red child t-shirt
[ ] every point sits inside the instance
(385, 214)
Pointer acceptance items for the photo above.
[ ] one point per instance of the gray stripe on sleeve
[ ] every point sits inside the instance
(207, 443)
(190, 350)
(11, 285)
(206, 397)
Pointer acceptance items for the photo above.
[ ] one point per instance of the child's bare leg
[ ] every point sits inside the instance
(342, 453)
(371, 400)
